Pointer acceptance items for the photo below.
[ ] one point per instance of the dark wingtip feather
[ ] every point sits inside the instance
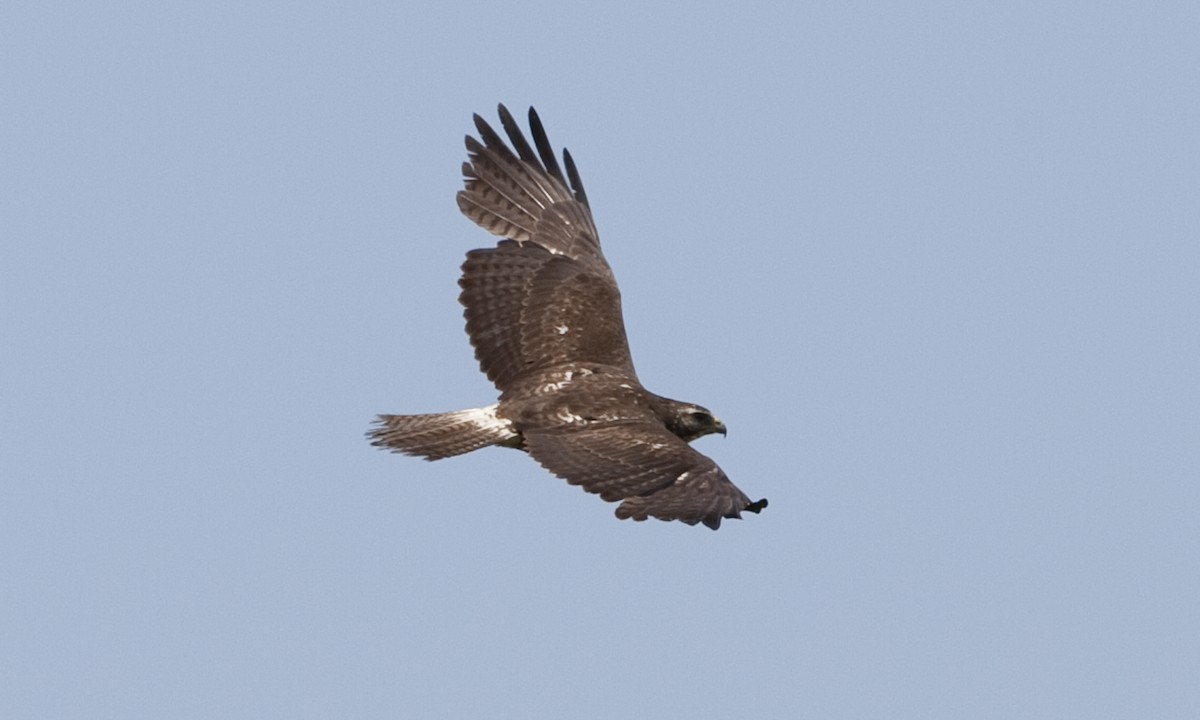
(517, 137)
(545, 149)
(573, 174)
(480, 123)
(489, 136)
(757, 506)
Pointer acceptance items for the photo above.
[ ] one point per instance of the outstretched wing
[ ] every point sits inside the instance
(654, 472)
(524, 196)
(545, 296)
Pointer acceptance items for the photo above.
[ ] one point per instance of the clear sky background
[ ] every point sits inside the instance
(937, 266)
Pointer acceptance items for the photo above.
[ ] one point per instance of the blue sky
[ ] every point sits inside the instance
(934, 264)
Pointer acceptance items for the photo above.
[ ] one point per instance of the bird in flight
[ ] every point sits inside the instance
(544, 314)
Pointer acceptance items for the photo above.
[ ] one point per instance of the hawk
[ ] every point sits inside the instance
(544, 315)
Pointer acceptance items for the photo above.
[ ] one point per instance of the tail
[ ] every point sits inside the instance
(442, 435)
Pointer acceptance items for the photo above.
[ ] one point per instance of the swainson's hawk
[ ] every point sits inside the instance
(544, 314)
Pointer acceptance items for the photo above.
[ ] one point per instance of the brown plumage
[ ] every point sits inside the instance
(544, 314)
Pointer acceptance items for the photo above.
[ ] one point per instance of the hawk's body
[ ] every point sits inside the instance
(544, 314)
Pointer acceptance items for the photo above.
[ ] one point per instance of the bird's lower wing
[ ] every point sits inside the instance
(653, 472)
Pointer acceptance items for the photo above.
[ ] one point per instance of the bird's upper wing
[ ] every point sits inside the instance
(654, 472)
(545, 296)
(525, 196)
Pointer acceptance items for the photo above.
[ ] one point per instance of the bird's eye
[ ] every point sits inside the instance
(700, 416)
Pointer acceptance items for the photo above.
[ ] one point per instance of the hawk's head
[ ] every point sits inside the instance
(691, 421)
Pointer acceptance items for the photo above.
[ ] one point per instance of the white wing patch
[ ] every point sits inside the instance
(562, 379)
(567, 416)
(562, 329)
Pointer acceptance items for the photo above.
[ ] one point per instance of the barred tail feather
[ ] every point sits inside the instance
(442, 435)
